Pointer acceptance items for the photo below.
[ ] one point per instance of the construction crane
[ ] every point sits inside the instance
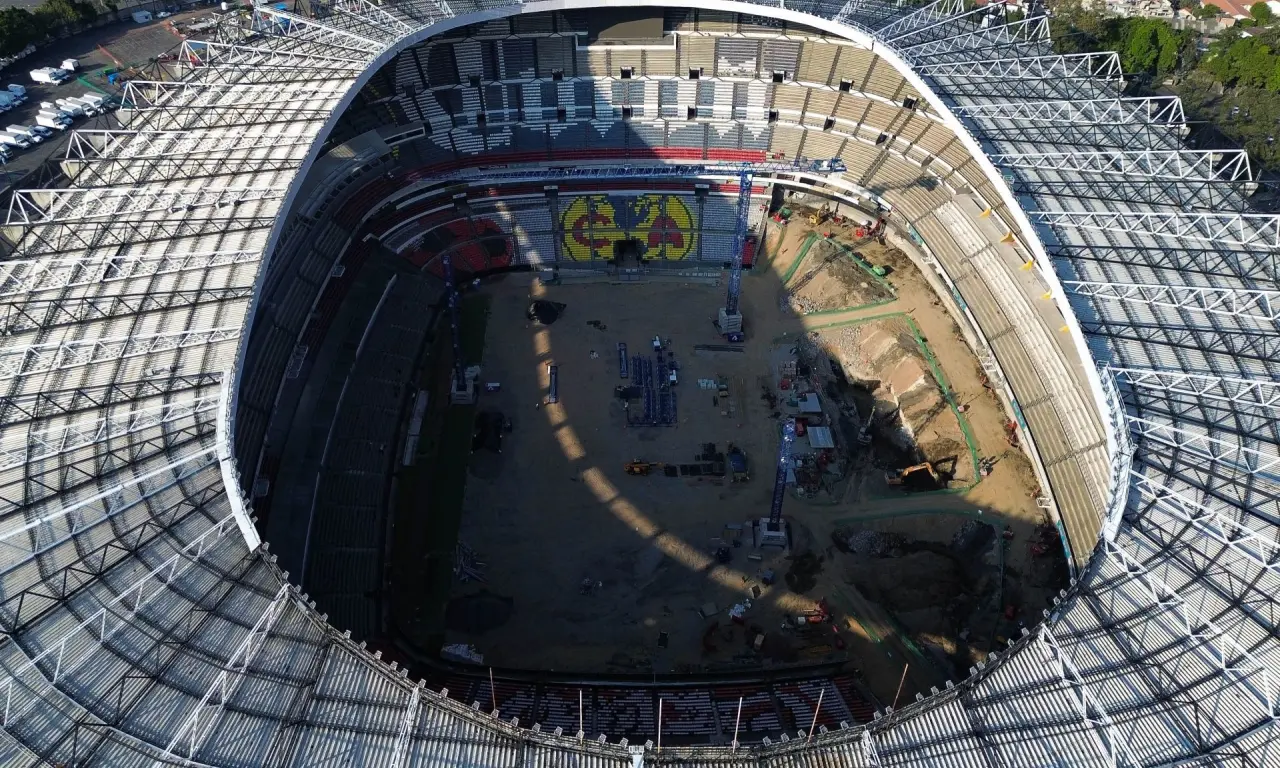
(730, 319)
(771, 532)
(461, 392)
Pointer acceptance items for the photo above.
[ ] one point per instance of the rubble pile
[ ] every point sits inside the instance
(869, 543)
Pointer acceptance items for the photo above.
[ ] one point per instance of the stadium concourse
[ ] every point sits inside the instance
(166, 281)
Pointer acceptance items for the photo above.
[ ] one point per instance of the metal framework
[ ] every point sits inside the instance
(1256, 393)
(1244, 303)
(42, 444)
(1137, 111)
(1258, 230)
(196, 727)
(159, 243)
(1171, 164)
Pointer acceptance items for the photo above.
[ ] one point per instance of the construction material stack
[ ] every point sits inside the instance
(656, 377)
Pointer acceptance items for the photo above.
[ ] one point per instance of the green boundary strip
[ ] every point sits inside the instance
(804, 251)
(852, 256)
(938, 376)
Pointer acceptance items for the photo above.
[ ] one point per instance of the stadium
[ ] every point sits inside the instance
(237, 312)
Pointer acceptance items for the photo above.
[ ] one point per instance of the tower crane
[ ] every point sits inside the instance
(461, 389)
(730, 318)
(771, 532)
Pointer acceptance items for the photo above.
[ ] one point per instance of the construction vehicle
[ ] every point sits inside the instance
(919, 477)
(820, 216)
(641, 468)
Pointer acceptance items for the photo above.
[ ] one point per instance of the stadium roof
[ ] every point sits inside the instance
(133, 280)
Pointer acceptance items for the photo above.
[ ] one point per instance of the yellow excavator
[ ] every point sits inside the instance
(910, 477)
(820, 216)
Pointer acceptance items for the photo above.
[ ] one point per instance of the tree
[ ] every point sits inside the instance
(1208, 11)
(1261, 13)
(18, 29)
(1148, 46)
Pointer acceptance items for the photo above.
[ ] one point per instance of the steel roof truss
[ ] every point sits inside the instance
(1257, 230)
(1090, 66)
(67, 653)
(1251, 676)
(1258, 393)
(1086, 702)
(1253, 304)
(202, 720)
(405, 731)
(35, 275)
(920, 17)
(126, 146)
(68, 236)
(43, 444)
(69, 205)
(1159, 110)
(982, 39)
(268, 20)
(50, 313)
(1247, 460)
(32, 407)
(212, 54)
(40, 358)
(1248, 543)
(1187, 164)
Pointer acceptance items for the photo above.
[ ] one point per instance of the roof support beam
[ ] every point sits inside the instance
(1073, 66)
(107, 235)
(132, 489)
(245, 57)
(40, 358)
(920, 18)
(1243, 459)
(1031, 28)
(1159, 110)
(1086, 702)
(17, 317)
(42, 444)
(35, 275)
(1199, 165)
(19, 409)
(203, 720)
(52, 206)
(269, 20)
(1259, 549)
(1252, 677)
(62, 656)
(407, 723)
(1260, 230)
(1245, 303)
(1257, 393)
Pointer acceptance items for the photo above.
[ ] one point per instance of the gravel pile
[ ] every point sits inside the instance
(870, 543)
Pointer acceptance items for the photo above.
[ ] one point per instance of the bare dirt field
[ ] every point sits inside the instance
(586, 568)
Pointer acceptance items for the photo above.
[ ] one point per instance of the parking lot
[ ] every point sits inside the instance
(100, 52)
